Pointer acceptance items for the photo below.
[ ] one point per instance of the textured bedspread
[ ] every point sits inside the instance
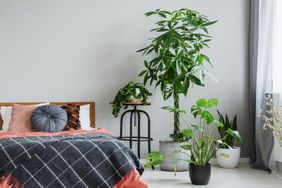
(81, 160)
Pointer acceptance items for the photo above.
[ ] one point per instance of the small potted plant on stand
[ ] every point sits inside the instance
(132, 93)
(200, 143)
(177, 63)
(228, 155)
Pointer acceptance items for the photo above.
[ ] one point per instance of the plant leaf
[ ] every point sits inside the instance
(207, 116)
(187, 133)
(212, 103)
(149, 13)
(154, 158)
(202, 103)
(172, 51)
(235, 134)
(210, 23)
(196, 110)
(195, 80)
(186, 147)
(142, 73)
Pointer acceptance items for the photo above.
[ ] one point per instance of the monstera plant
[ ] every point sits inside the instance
(176, 60)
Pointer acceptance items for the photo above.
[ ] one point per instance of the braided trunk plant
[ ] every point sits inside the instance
(177, 59)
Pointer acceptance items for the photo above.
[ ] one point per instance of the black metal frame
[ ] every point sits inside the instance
(135, 115)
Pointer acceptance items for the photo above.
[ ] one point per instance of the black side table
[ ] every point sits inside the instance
(135, 120)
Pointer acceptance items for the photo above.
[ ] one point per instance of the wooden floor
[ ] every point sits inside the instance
(241, 177)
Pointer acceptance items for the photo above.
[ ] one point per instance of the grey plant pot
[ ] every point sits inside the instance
(167, 148)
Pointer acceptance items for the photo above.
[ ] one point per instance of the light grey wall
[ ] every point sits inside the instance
(84, 50)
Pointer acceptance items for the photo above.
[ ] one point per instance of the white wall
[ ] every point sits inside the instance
(84, 50)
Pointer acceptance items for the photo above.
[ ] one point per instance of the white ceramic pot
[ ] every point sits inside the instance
(228, 158)
(167, 149)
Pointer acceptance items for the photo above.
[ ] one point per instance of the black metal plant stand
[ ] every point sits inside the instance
(135, 120)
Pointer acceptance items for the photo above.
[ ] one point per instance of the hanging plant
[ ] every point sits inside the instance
(131, 92)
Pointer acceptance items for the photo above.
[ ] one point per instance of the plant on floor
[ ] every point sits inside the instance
(199, 139)
(178, 59)
(228, 132)
(131, 91)
(228, 155)
(200, 143)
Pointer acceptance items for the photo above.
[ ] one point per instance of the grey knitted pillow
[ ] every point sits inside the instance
(48, 118)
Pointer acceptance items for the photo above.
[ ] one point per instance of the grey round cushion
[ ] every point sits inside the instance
(49, 118)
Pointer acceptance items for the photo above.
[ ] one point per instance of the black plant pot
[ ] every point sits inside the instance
(200, 174)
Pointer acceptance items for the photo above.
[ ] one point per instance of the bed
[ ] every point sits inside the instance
(80, 158)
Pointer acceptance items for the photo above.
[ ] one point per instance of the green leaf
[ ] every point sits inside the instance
(207, 116)
(143, 49)
(149, 13)
(220, 125)
(172, 51)
(202, 103)
(235, 134)
(210, 23)
(178, 70)
(196, 110)
(212, 103)
(187, 133)
(162, 14)
(195, 80)
(207, 59)
(186, 147)
(154, 158)
(186, 85)
(200, 59)
(146, 64)
(234, 123)
(142, 73)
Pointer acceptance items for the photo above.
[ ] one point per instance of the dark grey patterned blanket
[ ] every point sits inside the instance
(85, 160)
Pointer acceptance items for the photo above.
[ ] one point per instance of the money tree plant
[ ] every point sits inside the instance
(175, 56)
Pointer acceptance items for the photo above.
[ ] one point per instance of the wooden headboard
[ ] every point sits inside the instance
(92, 107)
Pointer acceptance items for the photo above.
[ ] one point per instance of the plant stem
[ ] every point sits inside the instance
(176, 115)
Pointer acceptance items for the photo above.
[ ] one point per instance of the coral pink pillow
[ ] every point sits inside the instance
(20, 121)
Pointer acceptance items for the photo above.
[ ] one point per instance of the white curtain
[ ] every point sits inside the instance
(261, 77)
(275, 162)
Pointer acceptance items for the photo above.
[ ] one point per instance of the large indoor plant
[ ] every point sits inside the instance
(176, 59)
(228, 155)
(200, 142)
(131, 92)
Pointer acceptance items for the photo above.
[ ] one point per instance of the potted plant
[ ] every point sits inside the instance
(131, 92)
(228, 155)
(177, 62)
(200, 143)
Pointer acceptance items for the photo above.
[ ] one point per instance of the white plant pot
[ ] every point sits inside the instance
(167, 149)
(228, 158)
